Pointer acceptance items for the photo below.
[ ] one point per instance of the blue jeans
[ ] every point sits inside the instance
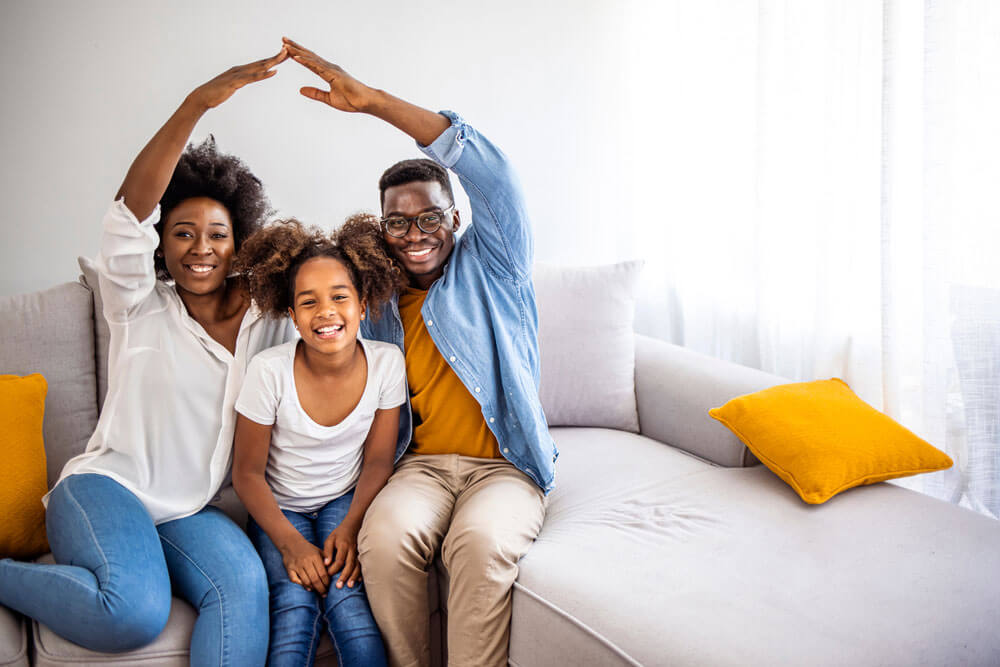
(110, 590)
(296, 615)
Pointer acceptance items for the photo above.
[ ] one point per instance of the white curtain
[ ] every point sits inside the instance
(814, 186)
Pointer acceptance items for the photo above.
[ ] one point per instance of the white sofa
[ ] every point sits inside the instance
(666, 545)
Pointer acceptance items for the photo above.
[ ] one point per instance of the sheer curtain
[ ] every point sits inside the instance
(814, 188)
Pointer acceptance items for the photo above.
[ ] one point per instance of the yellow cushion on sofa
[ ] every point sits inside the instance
(22, 480)
(821, 439)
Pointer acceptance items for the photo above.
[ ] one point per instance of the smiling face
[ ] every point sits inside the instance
(325, 305)
(422, 255)
(198, 245)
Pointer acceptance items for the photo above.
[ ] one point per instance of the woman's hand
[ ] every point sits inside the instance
(346, 93)
(305, 566)
(213, 93)
(340, 554)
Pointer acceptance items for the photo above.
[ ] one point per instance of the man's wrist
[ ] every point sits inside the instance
(373, 102)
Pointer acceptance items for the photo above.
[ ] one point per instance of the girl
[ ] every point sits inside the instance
(128, 519)
(316, 431)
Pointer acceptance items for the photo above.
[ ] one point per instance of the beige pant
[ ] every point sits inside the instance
(483, 514)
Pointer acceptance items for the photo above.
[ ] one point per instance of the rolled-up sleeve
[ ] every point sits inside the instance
(500, 226)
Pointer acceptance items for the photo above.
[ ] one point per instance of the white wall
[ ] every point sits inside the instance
(84, 85)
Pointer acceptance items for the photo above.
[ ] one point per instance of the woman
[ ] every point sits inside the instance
(128, 520)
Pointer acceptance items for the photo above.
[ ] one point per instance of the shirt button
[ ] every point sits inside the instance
(430, 323)
(491, 420)
(505, 450)
(477, 390)
(451, 358)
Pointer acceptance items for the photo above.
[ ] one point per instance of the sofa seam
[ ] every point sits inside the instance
(580, 624)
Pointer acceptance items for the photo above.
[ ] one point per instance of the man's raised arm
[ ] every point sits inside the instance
(348, 94)
(503, 234)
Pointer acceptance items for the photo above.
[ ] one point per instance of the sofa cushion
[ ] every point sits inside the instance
(726, 566)
(627, 462)
(13, 639)
(169, 649)
(22, 477)
(821, 439)
(52, 333)
(587, 344)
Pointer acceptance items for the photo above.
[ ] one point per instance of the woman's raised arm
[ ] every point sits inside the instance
(150, 173)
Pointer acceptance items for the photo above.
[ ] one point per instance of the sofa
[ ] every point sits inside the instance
(665, 541)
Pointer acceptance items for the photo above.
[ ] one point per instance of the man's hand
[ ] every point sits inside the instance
(221, 88)
(340, 554)
(346, 93)
(305, 566)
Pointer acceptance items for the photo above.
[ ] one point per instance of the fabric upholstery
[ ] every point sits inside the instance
(170, 649)
(587, 345)
(821, 439)
(22, 478)
(726, 566)
(52, 333)
(675, 387)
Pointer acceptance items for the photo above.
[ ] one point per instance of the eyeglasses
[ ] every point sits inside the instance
(428, 223)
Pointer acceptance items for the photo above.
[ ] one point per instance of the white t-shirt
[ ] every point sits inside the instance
(309, 464)
(166, 430)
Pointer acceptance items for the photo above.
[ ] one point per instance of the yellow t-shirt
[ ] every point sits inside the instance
(446, 417)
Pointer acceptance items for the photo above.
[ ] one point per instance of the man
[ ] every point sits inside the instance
(476, 459)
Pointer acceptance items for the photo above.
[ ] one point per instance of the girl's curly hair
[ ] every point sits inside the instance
(203, 171)
(270, 260)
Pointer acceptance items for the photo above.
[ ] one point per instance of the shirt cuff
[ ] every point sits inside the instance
(122, 214)
(447, 148)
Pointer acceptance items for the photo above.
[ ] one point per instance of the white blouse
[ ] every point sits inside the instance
(166, 430)
(310, 464)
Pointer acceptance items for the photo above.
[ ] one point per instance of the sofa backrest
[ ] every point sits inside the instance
(52, 332)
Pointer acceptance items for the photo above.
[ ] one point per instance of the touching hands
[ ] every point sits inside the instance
(221, 88)
(340, 554)
(346, 93)
(306, 566)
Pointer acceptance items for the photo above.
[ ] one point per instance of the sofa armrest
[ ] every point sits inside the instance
(675, 388)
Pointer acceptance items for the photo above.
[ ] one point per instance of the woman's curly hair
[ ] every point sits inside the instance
(270, 260)
(203, 171)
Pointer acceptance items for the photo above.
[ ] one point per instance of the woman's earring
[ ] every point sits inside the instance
(158, 253)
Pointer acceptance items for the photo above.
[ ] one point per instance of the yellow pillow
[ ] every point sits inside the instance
(822, 439)
(23, 481)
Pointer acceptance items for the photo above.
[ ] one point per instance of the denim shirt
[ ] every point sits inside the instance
(481, 312)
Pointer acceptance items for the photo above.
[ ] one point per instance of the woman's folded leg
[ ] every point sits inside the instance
(109, 590)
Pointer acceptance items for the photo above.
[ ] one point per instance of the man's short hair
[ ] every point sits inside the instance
(410, 171)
